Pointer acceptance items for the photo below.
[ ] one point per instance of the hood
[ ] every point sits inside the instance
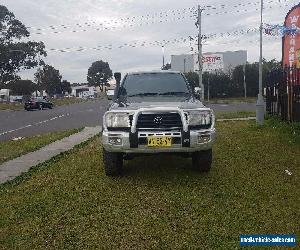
(190, 104)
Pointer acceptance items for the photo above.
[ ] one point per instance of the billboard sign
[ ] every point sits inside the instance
(212, 62)
(291, 40)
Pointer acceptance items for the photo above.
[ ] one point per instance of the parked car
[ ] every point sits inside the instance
(157, 112)
(110, 94)
(38, 103)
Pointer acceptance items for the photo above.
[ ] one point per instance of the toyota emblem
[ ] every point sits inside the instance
(158, 120)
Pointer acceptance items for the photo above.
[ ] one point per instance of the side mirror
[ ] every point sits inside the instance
(117, 76)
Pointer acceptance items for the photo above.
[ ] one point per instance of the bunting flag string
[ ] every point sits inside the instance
(280, 30)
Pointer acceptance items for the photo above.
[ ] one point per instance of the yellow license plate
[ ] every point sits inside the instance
(159, 141)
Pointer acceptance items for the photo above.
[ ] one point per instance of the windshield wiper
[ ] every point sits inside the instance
(175, 93)
(143, 94)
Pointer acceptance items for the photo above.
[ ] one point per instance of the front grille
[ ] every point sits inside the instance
(159, 121)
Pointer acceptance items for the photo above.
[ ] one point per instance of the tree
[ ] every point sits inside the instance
(237, 81)
(48, 78)
(193, 78)
(22, 87)
(14, 54)
(219, 85)
(231, 84)
(99, 74)
(66, 86)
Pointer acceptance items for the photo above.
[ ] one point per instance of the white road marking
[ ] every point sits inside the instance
(14, 130)
(30, 125)
(41, 122)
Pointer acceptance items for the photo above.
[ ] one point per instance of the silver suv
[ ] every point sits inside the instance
(156, 112)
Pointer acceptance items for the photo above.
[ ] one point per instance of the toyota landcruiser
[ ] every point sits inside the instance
(156, 112)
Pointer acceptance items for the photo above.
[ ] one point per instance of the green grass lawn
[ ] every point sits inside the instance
(67, 101)
(12, 149)
(160, 202)
(11, 106)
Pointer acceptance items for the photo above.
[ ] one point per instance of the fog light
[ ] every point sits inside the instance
(203, 138)
(115, 141)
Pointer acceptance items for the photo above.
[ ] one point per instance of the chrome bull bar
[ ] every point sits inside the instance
(154, 110)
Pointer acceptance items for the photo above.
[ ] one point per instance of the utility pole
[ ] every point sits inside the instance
(260, 107)
(184, 63)
(163, 56)
(200, 52)
(245, 86)
(208, 82)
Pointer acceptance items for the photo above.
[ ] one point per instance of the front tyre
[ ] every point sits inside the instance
(202, 160)
(113, 163)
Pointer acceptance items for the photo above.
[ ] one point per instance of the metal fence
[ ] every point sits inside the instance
(283, 93)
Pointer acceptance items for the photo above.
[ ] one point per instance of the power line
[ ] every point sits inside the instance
(161, 17)
(159, 43)
(117, 21)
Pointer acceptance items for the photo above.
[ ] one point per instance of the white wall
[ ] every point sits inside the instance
(183, 63)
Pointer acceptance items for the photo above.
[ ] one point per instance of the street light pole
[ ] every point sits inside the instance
(163, 56)
(260, 107)
(208, 82)
(200, 52)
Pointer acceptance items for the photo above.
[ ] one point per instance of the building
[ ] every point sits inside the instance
(183, 63)
(4, 95)
(84, 91)
(212, 61)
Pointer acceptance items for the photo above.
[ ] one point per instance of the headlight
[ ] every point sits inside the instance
(198, 118)
(117, 120)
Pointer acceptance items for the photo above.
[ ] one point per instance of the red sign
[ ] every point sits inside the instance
(211, 59)
(291, 41)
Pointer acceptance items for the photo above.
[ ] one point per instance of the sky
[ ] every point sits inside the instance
(129, 34)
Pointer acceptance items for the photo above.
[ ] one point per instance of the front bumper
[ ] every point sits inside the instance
(195, 137)
(184, 140)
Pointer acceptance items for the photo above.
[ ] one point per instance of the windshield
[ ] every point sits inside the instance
(154, 84)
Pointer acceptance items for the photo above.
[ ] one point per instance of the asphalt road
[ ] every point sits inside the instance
(28, 123)
(23, 123)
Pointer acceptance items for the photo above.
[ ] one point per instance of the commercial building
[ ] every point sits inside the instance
(212, 61)
(183, 63)
(84, 91)
(4, 95)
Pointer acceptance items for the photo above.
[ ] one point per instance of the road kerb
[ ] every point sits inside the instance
(237, 119)
(14, 168)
